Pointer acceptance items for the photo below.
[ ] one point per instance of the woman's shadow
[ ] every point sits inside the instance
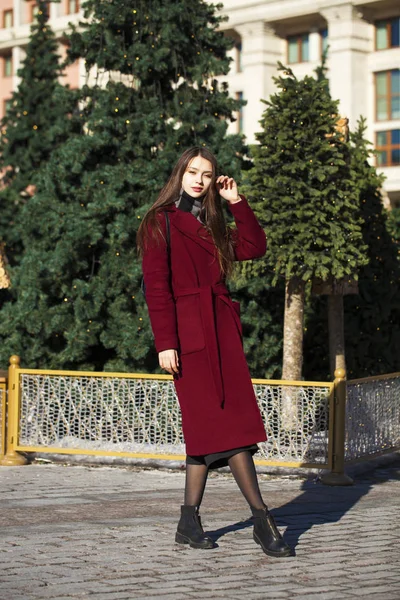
(317, 504)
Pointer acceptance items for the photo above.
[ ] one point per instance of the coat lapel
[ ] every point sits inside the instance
(192, 228)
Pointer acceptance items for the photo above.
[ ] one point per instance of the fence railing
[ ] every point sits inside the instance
(372, 416)
(138, 416)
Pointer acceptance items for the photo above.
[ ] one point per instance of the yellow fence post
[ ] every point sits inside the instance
(337, 476)
(13, 458)
(3, 416)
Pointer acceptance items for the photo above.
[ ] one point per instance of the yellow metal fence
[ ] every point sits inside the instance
(138, 416)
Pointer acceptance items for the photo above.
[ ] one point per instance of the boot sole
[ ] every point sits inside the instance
(271, 552)
(182, 539)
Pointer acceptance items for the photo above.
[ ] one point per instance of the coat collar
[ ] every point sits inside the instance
(192, 228)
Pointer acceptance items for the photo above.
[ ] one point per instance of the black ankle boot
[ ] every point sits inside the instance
(190, 530)
(267, 535)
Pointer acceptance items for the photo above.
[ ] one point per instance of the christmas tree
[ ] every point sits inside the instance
(35, 124)
(304, 192)
(151, 92)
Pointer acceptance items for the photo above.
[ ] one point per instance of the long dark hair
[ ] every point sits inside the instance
(211, 210)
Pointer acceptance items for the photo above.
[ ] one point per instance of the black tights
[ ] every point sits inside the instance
(244, 472)
(195, 483)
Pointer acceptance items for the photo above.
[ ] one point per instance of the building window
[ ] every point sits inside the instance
(8, 19)
(239, 114)
(72, 6)
(34, 11)
(298, 48)
(388, 147)
(7, 65)
(6, 106)
(324, 40)
(238, 56)
(387, 34)
(387, 93)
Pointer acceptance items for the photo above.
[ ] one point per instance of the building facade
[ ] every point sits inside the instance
(363, 61)
(362, 37)
(16, 17)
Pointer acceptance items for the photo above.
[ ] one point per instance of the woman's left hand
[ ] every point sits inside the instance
(227, 188)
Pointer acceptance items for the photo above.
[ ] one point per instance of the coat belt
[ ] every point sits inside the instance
(206, 294)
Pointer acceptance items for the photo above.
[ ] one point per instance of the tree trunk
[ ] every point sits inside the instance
(336, 333)
(292, 350)
(293, 329)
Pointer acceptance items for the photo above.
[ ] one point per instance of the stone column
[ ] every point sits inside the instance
(54, 11)
(350, 42)
(18, 55)
(19, 12)
(261, 49)
(314, 46)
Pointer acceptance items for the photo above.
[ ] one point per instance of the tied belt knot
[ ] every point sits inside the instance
(206, 293)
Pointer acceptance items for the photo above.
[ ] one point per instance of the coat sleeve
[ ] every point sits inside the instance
(159, 298)
(249, 237)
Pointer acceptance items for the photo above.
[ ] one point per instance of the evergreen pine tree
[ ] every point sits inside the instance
(303, 191)
(151, 93)
(33, 127)
(261, 315)
(373, 317)
(394, 226)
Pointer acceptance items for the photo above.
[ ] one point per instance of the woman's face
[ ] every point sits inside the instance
(197, 177)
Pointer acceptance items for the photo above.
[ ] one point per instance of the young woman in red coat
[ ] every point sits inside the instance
(198, 333)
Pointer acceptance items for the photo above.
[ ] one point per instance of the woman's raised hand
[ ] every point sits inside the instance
(227, 188)
(169, 361)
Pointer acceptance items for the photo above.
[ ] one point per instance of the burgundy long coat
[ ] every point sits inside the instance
(198, 318)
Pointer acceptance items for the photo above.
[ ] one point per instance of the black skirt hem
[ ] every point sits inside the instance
(216, 460)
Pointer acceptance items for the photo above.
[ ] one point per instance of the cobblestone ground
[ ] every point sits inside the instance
(107, 533)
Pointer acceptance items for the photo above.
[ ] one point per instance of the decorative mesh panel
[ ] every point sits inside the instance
(296, 420)
(142, 415)
(372, 417)
(100, 413)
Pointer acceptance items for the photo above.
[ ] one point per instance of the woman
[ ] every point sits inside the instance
(198, 334)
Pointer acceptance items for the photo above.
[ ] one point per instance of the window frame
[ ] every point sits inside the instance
(388, 95)
(5, 58)
(299, 38)
(78, 7)
(8, 11)
(388, 147)
(388, 34)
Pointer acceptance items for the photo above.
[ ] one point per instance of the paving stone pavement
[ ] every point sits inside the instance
(107, 533)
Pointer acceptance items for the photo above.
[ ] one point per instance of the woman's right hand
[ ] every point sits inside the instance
(169, 360)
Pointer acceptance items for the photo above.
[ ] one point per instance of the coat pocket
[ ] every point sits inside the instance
(236, 306)
(190, 325)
